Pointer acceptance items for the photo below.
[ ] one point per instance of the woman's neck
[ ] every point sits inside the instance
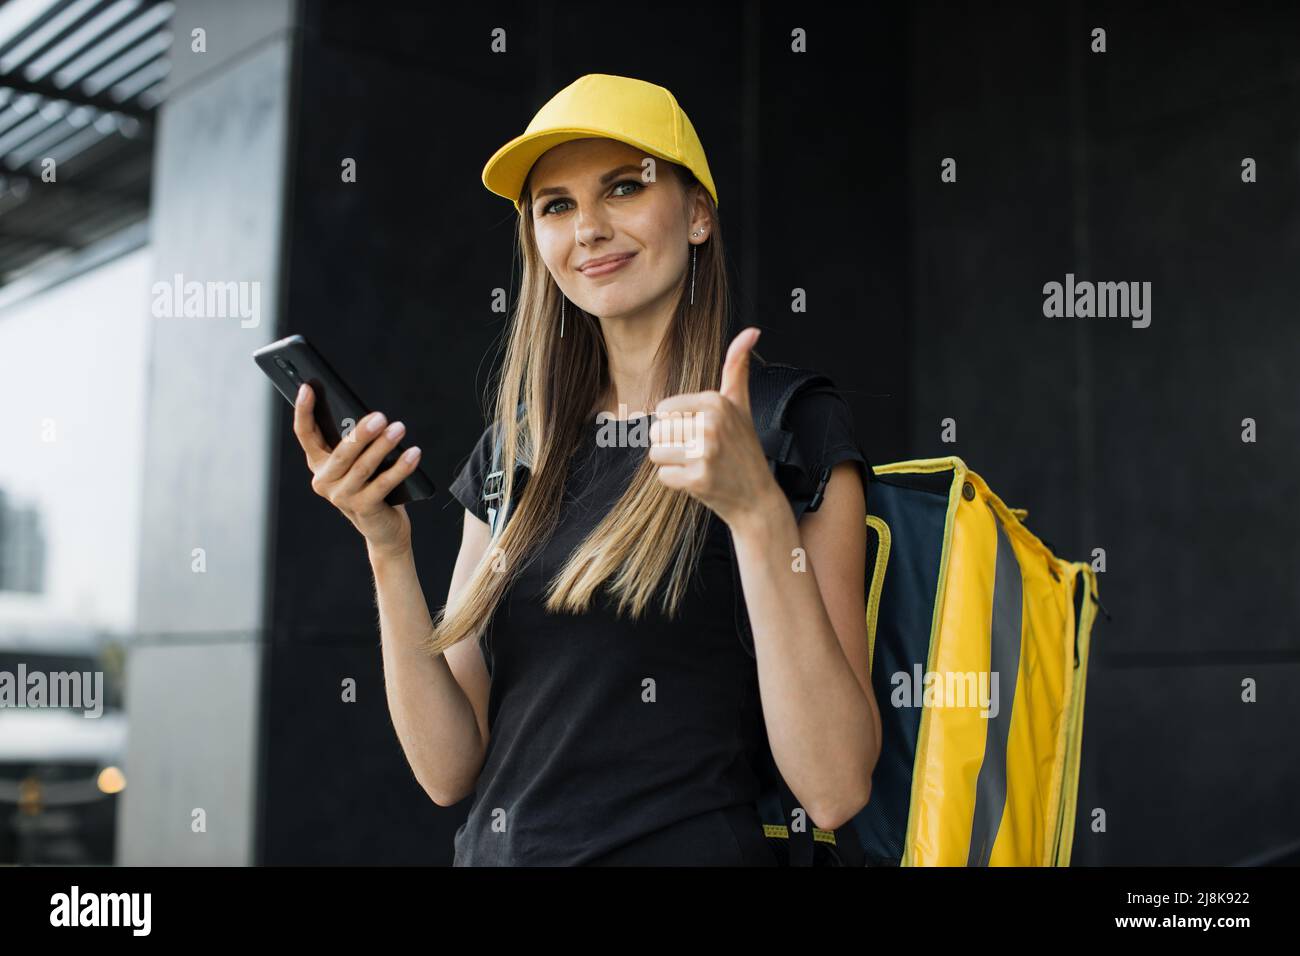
(631, 347)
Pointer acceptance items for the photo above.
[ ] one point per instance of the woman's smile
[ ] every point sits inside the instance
(608, 266)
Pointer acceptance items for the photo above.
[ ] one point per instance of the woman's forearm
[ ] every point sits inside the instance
(433, 717)
(819, 722)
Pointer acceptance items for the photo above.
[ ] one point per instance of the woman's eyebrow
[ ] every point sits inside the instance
(549, 190)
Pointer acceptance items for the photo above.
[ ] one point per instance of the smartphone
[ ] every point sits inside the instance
(292, 361)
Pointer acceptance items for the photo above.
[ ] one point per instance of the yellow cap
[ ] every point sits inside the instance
(598, 104)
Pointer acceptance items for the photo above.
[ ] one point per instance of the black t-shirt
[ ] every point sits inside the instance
(608, 733)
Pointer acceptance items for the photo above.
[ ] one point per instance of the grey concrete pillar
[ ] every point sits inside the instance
(195, 669)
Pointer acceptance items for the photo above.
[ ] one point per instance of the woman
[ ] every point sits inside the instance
(606, 711)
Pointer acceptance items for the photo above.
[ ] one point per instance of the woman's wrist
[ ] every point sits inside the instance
(390, 554)
(763, 517)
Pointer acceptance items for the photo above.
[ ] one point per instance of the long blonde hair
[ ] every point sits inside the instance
(652, 530)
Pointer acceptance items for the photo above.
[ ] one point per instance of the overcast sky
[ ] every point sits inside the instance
(74, 358)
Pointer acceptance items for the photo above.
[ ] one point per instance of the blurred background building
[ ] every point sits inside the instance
(22, 548)
(156, 520)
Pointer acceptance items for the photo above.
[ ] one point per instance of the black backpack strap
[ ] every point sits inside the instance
(771, 389)
(494, 484)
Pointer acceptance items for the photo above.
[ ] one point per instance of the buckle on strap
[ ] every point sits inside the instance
(491, 491)
(820, 493)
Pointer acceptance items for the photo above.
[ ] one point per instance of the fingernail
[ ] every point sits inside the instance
(376, 423)
(302, 392)
(411, 453)
(395, 430)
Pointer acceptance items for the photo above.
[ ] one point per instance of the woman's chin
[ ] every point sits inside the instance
(614, 306)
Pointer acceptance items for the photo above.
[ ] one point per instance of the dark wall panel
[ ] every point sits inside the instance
(925, 302)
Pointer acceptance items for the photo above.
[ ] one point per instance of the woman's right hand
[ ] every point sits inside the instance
(343, 476)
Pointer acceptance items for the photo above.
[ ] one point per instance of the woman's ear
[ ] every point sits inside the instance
(700, 219)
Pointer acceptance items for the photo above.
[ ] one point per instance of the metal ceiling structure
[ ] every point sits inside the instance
(79, 83)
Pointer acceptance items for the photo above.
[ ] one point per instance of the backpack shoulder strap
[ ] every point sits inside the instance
(494, 484)
(772, 387)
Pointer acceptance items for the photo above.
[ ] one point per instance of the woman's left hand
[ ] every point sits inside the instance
(705, 443)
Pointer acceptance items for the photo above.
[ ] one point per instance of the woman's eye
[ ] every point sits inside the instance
(638, 186)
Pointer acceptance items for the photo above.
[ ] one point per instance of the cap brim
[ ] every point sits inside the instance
(507, 170)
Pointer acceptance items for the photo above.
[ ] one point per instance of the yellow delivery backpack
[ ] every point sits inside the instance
(982, 713)
(978, 637)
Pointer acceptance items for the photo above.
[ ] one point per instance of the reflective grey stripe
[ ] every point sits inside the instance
(1004, 658)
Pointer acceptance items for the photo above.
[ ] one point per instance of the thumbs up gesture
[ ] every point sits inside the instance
(705, 443)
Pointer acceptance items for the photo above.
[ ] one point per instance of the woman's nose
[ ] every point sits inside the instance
(590, 227)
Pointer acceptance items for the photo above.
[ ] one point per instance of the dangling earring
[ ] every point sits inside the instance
(693, 273)
(562, 316)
